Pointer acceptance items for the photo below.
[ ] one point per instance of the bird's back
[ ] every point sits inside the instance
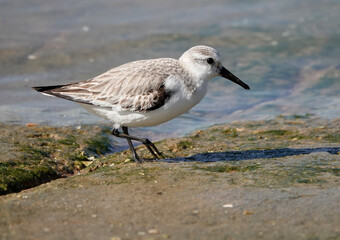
(134, 86)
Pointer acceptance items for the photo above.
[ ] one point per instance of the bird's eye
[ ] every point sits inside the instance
(210, 60)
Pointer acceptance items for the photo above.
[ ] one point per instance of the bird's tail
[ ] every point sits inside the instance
(61, 91)
(46, 89)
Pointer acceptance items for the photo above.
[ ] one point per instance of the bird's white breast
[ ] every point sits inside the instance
(180, 102)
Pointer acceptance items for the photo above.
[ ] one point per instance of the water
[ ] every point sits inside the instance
(287, 51)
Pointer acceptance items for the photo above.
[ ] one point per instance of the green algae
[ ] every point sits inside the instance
(34, 155)
(44, 153)
(303, 174)
(228, 168)
(278, 132)
(14, 179)
(121, 174)
(33, 152)
(230, 132)
(78, 156)
(69, 141)
(184, 144)
(99, 144)
(274, 173)
(334, 137)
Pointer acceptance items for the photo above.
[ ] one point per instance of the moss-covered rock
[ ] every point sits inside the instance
(34, 155)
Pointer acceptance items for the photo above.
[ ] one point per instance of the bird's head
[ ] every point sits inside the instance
(204, 63)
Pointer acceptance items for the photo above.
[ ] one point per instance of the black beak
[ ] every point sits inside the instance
(228, 75)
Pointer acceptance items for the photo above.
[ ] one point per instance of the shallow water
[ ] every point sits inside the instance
(287, 51)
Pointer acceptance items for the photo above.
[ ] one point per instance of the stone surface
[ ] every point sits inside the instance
(279, 179)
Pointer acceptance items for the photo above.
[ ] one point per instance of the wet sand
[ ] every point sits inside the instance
(276, 179)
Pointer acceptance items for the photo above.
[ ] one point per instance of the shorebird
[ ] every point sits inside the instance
(146, 92)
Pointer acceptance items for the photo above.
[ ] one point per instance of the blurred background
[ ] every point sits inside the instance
(287, 51)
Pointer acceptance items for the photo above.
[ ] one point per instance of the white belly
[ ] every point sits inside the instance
(178, 104)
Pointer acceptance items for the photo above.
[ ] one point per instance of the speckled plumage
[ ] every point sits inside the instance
(136, 86)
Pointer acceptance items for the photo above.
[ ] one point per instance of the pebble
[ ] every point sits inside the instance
(247, 213)
(228, 205)
(86, 28)
(285, 34)
(153, 231)
(115, 238)
(32, 57)
(274, 43)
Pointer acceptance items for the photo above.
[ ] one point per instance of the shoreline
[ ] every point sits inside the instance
(273, 179)
(35, 154)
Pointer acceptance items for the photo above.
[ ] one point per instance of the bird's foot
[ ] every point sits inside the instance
(152, 149)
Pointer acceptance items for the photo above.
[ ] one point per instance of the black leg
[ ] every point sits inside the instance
(149, 145)
(133, 150)
(116, 133)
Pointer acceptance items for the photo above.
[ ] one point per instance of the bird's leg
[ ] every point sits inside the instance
(116, 133)
(148, 144)
(151, 147)
(125, 130)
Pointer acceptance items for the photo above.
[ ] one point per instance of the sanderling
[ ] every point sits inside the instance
(146, 92)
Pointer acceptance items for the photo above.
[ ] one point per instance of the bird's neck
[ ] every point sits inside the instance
(194, 81)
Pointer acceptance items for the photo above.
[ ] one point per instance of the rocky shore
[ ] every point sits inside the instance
(270, 179)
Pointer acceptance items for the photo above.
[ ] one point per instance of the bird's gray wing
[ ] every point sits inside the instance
(136, 86)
